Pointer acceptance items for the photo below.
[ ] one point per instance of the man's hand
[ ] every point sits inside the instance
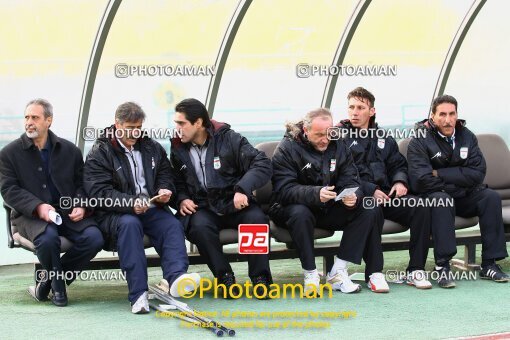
(166, 196)
(77, 214)
(240, 201)
(434, 173)
(140, 207)
(43, 210)
(350, 201)
(187, 207)
(399, 188)
(327, 194)
(380, 196)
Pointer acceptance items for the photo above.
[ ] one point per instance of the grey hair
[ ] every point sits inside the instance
(129, 112)
(48, 108)
(294, 128)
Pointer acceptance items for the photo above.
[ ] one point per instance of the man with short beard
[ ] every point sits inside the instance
(36, 170)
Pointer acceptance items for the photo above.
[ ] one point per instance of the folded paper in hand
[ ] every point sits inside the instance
(346, 192)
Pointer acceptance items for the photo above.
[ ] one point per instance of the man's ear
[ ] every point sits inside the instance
(50, 121)
(305, 130)
(199, 122)
(372, 111)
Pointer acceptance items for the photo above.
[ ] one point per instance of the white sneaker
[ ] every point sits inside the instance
(184, 284)
(312, 284)
(377, 283)
(418, 278)
(341, 281)
(141, 306)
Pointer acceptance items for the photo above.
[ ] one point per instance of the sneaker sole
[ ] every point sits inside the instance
(141, 311)
(422, 287)
(383, 290)
(357, 290)
(451, 285)
(488, 278)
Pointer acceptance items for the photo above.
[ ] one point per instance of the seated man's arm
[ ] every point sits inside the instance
(396, 165)
(348, 176)
(98, 181)
(18, 198)
(181, 193)
(466, 176)
(285, 180)
(254, 165)
(420, 170)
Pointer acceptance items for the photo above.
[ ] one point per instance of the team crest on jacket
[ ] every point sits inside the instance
(381, 143)
(217, 163)
(332, 164)
(463, 152)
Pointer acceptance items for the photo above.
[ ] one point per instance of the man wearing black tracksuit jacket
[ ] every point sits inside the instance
(309, 171)
(447, 163)
(383, 173)
(217, 171)
(127, 170)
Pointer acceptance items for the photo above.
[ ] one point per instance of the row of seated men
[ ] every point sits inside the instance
(210, 177)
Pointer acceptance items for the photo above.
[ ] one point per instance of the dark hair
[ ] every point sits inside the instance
(441, 100)
(129, 112)
(47, 107)
(362, 93)
(192, 110)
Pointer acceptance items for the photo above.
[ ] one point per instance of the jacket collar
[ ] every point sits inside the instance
(28, 143)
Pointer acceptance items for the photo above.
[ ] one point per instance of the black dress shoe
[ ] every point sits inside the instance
(40, 291)
(258, 283)
(228, 279)
(59, 299)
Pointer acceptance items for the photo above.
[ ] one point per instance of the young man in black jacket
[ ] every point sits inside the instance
(383, 176)
(217, 171)
(126, 169)
(36, 171)
(309, 171)
(447, 163)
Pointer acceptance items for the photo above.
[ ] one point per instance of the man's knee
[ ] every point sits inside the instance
(200, 227)
(130, 223)
(93, 238)
(299, 214)
(491, 196)
(255, 215)
(47, 240)
(439, 195)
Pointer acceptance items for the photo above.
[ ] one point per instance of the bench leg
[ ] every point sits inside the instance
(469, 261)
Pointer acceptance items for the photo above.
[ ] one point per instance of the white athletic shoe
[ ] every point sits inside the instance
(418, 278)
(141, 306)
(184, 284)
(378, 284)
(340, 281)
(312, 284)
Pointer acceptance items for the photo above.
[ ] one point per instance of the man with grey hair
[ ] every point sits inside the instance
(127, 168)
(36, 170)
(309, 172)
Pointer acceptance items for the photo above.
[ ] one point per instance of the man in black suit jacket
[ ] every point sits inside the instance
(36, 170)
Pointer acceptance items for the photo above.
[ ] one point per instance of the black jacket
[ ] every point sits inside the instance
(232, 165)
(23, 182)
(300, 171)
(460, 170)
(107, 175)
(379, 161)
